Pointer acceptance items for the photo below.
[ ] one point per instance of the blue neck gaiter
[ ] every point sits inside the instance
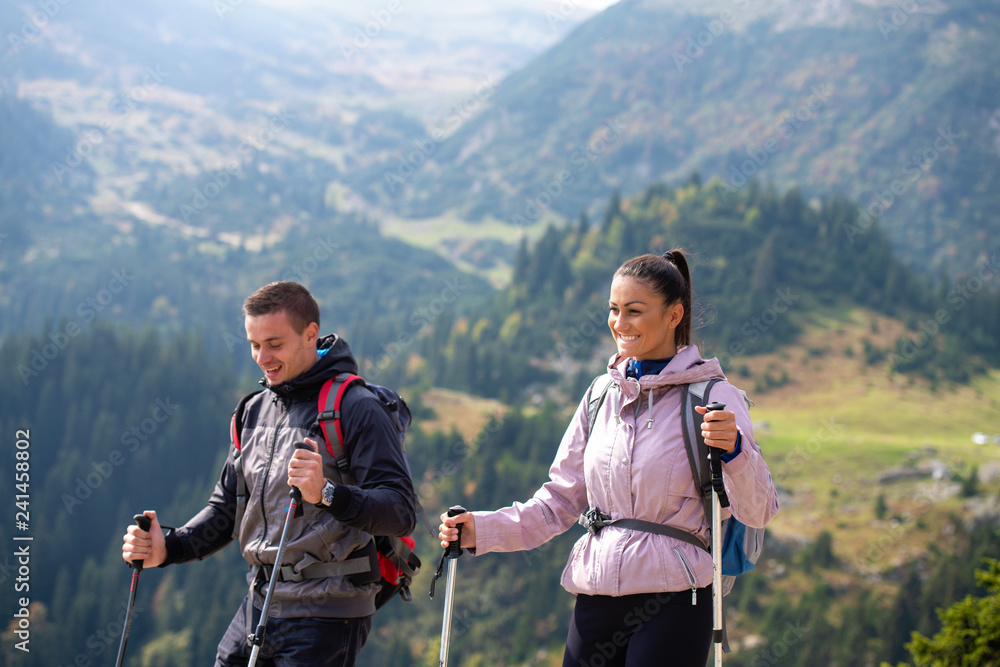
(636, 368)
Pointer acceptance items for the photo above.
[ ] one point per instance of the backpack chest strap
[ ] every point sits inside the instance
(318, 570)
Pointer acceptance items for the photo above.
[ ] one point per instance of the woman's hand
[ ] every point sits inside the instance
(719, 428)
(448, 530)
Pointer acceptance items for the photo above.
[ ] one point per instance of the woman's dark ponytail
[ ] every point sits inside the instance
(682, 336)
(670, 277)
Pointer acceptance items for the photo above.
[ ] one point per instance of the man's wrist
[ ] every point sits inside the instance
(326, 495)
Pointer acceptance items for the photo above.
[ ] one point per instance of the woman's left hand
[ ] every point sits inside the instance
(719, 428)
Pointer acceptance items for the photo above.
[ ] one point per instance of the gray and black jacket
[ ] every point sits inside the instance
(380, 503)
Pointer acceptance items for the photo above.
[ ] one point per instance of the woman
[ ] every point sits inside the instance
(635, 589)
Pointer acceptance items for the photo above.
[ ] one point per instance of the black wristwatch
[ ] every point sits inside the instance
(326, 495)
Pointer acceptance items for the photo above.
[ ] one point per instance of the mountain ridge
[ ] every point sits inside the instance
(698, 94)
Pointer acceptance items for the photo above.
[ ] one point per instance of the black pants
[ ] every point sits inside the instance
(639, 630)
(294, 642)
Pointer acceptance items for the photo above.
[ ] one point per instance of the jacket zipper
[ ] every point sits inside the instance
(690, 576)
(263, 486)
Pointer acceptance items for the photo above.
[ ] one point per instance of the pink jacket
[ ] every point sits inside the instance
(639, 469)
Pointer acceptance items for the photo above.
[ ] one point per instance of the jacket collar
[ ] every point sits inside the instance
(336, 359)
(686, 367)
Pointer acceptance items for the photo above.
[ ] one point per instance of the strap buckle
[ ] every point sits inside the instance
(284, 573)
(594, 520)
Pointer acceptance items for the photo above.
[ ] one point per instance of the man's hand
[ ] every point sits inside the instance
(305, 471)
(149, 547)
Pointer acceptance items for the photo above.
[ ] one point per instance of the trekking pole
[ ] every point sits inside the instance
(452, 553)
(718, 496)
(257, 638)
(143, 522)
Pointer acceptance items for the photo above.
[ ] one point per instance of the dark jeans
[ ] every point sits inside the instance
(639, 630)
(317, 642)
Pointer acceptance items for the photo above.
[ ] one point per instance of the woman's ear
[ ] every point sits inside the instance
(676, 315)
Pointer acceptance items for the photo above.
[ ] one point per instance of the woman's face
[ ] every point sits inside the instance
(642, 325)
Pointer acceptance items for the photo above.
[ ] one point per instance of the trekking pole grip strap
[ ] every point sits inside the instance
(454, 549)
(716, 456)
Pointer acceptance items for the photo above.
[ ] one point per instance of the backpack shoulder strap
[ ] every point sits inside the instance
(595, 397)
(237, 419)
(235, 426)
(694, 395)
(331, 397)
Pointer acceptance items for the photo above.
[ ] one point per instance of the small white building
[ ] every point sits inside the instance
(980, 438)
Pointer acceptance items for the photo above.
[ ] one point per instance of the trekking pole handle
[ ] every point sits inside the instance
(295, 494)
(144, 523)
(712, 407)
(454, 549)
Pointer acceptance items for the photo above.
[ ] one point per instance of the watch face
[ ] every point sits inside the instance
(328, 494)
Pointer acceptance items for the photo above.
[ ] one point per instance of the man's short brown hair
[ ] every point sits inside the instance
(299, 305)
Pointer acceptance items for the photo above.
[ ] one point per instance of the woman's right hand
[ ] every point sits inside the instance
(448, 531)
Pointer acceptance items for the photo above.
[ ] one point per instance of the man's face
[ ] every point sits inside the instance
(280, 352)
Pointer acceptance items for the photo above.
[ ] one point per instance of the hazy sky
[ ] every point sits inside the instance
(439, 4)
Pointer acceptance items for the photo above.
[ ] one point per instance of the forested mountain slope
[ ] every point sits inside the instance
(764, 264)
(894, 107)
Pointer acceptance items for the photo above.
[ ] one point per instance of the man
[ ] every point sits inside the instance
(320, 615)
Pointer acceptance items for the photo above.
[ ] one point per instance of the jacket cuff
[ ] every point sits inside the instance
(726, 458)
(342, 497)
(175, 548)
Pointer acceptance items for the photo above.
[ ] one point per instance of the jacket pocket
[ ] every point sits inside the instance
(577, 577)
